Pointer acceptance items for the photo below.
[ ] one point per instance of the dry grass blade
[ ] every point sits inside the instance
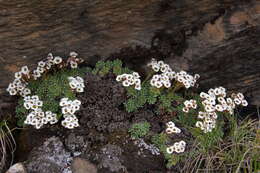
(7, 143)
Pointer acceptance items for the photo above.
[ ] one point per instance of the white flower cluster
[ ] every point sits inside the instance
(160, 66)
(167, 75)
(178, 147)
(32, 102)
(163, 79)
(73, 60)
(189, 104)
(69, 108)
(215, 101)
(130, 79)
(44, 66)
(160, 80)
(186, 79)
(208, 122)
(19, 85)
(38, 117)
(171, 128)
(76, 83)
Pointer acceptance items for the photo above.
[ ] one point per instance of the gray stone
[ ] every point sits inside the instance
(51, 157)
(80, 165)
(17, 168)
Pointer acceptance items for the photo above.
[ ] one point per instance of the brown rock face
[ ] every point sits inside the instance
(218, 39)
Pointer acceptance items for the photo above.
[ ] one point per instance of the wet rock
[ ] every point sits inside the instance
(17, 168)
(110, 158)
(80, 165)
(50, 157)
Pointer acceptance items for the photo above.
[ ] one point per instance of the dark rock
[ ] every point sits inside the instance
(110, 158)
(75, 144)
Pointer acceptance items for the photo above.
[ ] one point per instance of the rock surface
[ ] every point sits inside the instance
(80, 165)
(17, 168)
(202, 36)
(50, 157)
(110, 158)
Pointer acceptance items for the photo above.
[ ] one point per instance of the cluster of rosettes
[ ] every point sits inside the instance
(171, 128)
(189, 104)
(130, 79)
(76, 83)
(178, 147)
(38, 117)
(69, 108)
(19, 85)
(186, 79)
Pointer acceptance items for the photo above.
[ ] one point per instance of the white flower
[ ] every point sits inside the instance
(170, 149)
(244, 103)
(57, 60)
(73, 54)
(73, 64)
(25, 70)
(240, 96)
(185, 109)
(237, 101)
(41, 64)
(18, 75)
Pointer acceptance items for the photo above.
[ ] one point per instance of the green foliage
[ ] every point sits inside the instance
(166, 100)
(235, 148)
(102, 68)
(242, 138)
(160, 140)
(207, 141)
(137, 99)
(50, 89)
(139, 130)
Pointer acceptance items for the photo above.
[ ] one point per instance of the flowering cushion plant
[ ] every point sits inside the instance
(49, 95)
